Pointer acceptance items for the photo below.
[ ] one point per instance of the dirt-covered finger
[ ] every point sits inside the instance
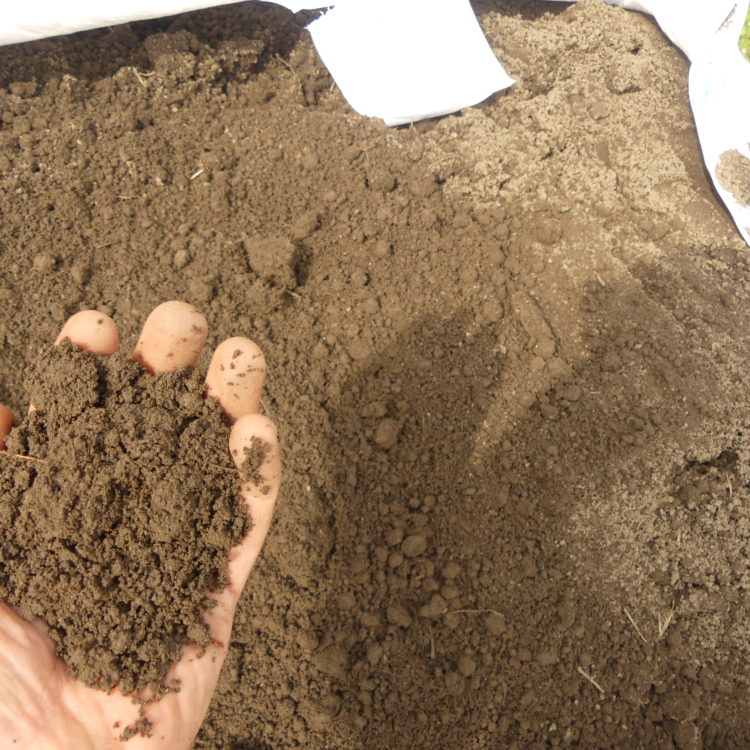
(92, 331)
(172, 337)
(235, 376)
(254, 446)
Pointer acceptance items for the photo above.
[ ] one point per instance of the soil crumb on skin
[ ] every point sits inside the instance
(142, 727)
(255, 457)
(120, 526)
(733, 173)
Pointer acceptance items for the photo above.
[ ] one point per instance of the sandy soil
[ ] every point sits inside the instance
(507, 354)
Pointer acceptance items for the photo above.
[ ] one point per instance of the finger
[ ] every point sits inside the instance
(6, 423)
(255, 434)
(172, 337)
(254, 446)
(91, 331)
(235, 376)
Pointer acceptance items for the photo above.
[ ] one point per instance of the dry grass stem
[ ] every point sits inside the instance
(728, 20)
(285, 63)
(142, 76)
(222, 468)
(665, 622)
(23, 458)
(632, 622)
(474, 612)
(587, 676)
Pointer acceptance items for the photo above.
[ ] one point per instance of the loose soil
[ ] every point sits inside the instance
(507, 356)
(733, 173)
(117, 514)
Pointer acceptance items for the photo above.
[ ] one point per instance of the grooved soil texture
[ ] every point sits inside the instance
(507, 356)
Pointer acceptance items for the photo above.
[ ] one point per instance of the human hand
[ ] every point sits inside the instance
(41, 705)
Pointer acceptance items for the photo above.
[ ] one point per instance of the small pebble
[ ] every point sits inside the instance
(319, 351)
(347, 600)
(371, 305)
(454, 683)
(572, 393)
(547, 657)
(449, 591)
(394, 536)
(180, 259)
(450, 571)
(611, 362)
(434, 608)
(44, 262)
(536, 364)
(545, 348)
(495, 623)
(599, 109)
(397, 615)
(79, 273)
(386, 433)
(466, 666)
(548, 411)
(305, 225)
(374, 653)
(680, 706)
(395, 559)
(358, 278)
(414, 545)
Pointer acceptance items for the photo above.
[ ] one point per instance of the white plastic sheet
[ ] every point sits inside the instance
(35, 19)
(406, 61)
(687, 23)
(720, 98)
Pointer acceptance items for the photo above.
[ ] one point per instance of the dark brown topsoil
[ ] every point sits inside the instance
(508, 355)
(120, 523)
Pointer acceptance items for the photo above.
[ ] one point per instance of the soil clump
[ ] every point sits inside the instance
(117, 517)
(733, 173)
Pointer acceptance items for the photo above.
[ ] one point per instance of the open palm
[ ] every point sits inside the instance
(41, 705)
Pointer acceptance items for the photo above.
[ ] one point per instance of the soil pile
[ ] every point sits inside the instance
(507, 356)
(116, 516)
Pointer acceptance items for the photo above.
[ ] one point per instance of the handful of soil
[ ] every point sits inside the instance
(118, 524)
